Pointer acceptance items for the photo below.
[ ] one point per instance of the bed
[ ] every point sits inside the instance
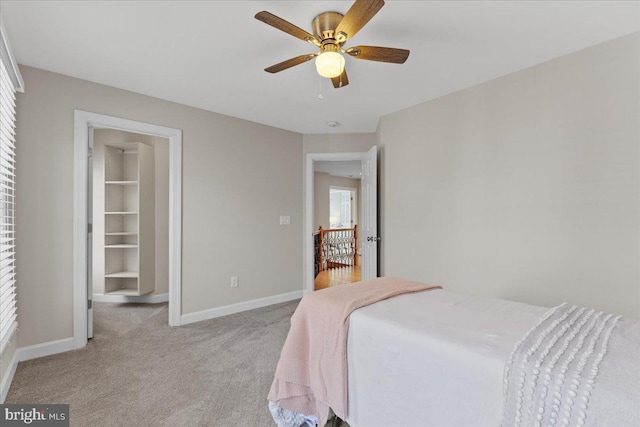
(439, 358)
(432, 358)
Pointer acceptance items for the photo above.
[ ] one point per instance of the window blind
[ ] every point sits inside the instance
(8, 322)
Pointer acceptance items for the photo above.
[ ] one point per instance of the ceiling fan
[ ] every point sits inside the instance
(330, 31)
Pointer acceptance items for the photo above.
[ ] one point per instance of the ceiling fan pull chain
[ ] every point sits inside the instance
(320, 88)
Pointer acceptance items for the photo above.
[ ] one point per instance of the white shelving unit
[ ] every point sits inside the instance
(129, 192)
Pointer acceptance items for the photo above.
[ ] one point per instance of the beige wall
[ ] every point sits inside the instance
(321, 184)
(338, 142)
(161, 156)
(526, 187)
(238, 178)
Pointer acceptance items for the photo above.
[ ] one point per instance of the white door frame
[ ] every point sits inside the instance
(83, 122)
(308, 223)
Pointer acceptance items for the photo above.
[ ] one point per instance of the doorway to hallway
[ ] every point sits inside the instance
(348, 252)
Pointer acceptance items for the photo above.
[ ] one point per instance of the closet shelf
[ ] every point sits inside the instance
(121, 213)
(120, 246)
(122, 233)
(123, 275)
(121, 182)
(127, 292)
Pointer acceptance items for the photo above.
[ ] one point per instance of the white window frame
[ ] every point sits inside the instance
(10, 83)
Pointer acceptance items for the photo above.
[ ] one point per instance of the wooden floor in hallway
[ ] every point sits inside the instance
(338, 276)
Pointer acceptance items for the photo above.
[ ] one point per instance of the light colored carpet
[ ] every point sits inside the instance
(138, 371)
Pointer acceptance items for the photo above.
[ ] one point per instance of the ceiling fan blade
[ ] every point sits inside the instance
(377, 53)
(290, 63)
(287, 27)
(357, 17)
(341, 81)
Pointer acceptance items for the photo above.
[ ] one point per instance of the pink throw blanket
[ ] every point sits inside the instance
(311, 376)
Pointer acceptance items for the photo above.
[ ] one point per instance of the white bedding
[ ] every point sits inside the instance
(432, 359)
(577, 367)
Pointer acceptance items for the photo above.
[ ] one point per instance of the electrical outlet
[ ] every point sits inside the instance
(234, 281)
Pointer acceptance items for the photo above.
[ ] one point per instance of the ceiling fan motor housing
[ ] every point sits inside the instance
(324, 26)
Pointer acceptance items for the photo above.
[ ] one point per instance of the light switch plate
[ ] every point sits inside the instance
(285, 220)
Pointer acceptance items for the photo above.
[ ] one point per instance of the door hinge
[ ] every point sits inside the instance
(89, 304)
(90, 152)
(89, 228)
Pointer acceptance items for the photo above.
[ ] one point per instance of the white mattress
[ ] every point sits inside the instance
(432, 359)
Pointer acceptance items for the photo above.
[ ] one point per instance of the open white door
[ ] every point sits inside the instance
(90, 237)
(369, 230)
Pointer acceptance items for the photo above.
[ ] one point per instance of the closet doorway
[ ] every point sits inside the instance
(130, 219)
(124, 169)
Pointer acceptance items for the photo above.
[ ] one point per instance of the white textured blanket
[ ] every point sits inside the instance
(577, 367)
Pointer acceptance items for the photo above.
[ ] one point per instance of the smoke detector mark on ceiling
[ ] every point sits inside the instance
(333, 124)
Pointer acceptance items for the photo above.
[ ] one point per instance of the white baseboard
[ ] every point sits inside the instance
(147, 299)
(32, 352)
(44, 349)
(8, 377)
(212, 313)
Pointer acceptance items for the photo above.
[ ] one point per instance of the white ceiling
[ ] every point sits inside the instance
(345, 168)
(212, 54)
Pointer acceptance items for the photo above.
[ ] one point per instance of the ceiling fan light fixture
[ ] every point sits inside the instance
(330, 64)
